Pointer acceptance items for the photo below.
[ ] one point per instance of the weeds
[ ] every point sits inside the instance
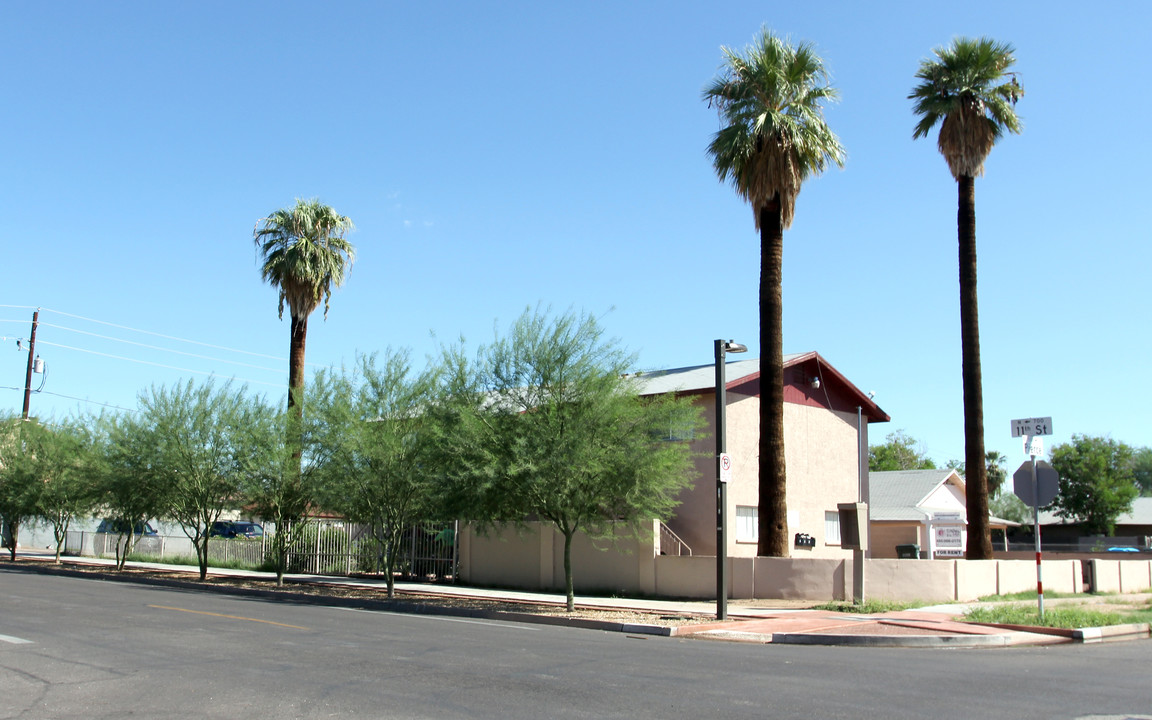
(1068, 617)
(869, 607)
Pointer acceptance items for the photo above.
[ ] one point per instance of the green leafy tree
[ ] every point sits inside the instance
(131, 489)
(773, 138)
(1096, 482)
(279, 479)
(202, 440)
(62, 458)
(563, 436)
(1007, 506)
(377, 426)
(20, 480)
(965, 89)
(900, 452)
(1142, 469)
(305, 254)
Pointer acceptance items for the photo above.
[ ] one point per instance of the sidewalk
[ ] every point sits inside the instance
(761, 621)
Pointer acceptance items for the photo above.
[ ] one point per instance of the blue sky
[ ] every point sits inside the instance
(500, 156)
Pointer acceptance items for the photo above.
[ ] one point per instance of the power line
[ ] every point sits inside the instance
(93, 402)
(162, 349)
(156, 348)
(154, 364)
(172, 337)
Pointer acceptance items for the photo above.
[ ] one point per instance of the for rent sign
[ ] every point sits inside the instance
(949, 541)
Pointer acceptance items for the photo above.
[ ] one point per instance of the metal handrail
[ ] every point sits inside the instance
(669, 539)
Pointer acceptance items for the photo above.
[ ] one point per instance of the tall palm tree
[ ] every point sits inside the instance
(305, 256)
(967, 90)
(773, 137)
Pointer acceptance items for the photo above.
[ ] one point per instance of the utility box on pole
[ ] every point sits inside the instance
(853, 525)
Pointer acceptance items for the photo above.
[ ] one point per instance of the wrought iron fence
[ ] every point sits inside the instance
(427, 552)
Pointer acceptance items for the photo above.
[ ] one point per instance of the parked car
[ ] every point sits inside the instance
(120, 527)
(236, 529)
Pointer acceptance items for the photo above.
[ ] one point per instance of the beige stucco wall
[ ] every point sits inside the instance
(924, 579)
(1020, 576)
(821, 458)
(887, 535)
(1117, 576)
(1135, 576)
(533, 560)
(820, 452)
(686, 577)
(800, 578)
(694, 518)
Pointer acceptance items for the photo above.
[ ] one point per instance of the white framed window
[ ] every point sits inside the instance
(747, 523)
(831, 527)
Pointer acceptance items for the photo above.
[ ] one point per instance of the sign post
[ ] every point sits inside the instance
(1026, 475)
(723, 476)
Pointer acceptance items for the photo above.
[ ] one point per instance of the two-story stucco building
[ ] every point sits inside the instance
(826, 421)
(825, 437)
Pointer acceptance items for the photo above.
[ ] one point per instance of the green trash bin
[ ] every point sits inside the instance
(908, 552)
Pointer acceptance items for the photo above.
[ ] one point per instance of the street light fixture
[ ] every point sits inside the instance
(723, 347)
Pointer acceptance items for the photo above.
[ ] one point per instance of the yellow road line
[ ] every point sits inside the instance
(229, 617)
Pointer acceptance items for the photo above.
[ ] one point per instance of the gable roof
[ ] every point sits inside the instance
(697, 377)
(702, 378)
(1141, 514)
(897, 494)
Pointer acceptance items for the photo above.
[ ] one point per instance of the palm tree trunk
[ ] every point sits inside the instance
(976, 474)
(296, 363)
(773, 511)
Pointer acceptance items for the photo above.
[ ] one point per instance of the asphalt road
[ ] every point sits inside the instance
(73, 647)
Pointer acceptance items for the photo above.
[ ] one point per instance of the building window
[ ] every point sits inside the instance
(747, 523)
(831, 527)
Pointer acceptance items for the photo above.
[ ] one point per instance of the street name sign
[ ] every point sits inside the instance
(1032, 426)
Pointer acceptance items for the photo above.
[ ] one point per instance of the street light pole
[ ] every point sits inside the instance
(722, 347)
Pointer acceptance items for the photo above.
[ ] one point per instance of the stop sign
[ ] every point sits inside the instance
(1047, 484)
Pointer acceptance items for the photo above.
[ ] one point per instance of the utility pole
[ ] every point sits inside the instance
(31, 360)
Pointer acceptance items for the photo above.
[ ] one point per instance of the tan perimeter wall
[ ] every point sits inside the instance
(533, 559)
(1117, 576)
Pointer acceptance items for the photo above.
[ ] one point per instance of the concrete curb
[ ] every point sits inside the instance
(1106, 633)
(915, 641)
(1111, 633)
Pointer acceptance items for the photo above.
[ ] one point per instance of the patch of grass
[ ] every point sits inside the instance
(1068, 616)
(869, 607)
(1029, 595)
(191, 560)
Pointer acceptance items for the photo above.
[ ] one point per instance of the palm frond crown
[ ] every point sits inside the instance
(774, 136)
(966, 89)
(305, 254)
